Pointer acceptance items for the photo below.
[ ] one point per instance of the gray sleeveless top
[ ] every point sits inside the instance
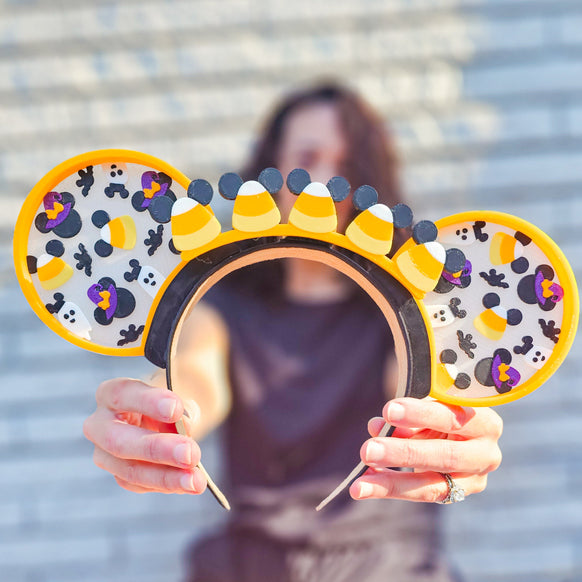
(306, 379)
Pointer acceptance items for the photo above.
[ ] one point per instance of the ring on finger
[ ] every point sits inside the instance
(455, 492)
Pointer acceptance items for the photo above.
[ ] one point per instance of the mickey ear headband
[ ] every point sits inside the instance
(113, 248)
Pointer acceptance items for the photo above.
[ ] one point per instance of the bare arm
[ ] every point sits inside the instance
(200, 375)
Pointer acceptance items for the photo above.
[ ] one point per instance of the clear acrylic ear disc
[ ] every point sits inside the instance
(89, 255)
(505, 322)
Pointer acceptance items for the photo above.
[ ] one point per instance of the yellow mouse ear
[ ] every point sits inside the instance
(92, 250)
(505, 320)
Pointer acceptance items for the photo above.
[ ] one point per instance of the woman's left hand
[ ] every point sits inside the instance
(431, 438)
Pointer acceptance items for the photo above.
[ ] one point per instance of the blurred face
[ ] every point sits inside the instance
(313, 139)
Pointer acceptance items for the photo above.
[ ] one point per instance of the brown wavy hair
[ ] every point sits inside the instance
(372, 155)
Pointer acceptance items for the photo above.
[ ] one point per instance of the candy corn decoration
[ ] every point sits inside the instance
(373, 229)
(119, 233)
(254, 208)
(314, 209)
(506, 249)
(192, 221)
(167, 247)
(423, 264)
(447, 373)
(193, 225)
(493, 321)
(53, 272)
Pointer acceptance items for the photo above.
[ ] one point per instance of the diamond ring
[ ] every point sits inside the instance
(455, 493)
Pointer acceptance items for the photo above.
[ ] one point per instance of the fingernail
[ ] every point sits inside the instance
(167, 406)
(374, 452)
(366, 490)
(191, 406)
(187, 482)
(199, 480)
(183, 454)
(396, 411)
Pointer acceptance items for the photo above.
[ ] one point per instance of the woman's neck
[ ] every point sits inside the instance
(313, 282)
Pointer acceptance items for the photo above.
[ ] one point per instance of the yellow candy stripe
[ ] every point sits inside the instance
(254, 204)
(254, 223)
(420, 267)
(502, 249)
(193, 240)
(54, 274)
(191, 220)
(311, 223)
(490, 324)
(123, 234)
(443, 378)
(376, 227)
(363, 239)
(316, 206)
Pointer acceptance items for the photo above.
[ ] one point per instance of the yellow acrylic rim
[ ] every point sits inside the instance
(25, 222)
(54, 177)
(571, 307)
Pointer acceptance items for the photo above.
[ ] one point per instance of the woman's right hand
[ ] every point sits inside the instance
(136, 441)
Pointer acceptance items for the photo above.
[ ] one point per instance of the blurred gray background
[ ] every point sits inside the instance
(485, 97)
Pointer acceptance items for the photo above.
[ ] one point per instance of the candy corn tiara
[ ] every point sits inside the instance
(113, 248)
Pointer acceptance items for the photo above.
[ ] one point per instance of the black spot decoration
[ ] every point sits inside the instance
(57, 305)
(102, 248)
(339, 188)
(550, 330)
(454, 307)
(55, 248)
(496, 371)
(448, 356)
(172, 248)
(540, 288)
(132, 275)
(86, 180)
(462, 233)
(466, 343)
(462, 380)
(520, 265)
(130, 335)
(525, 347)
(111, 301)
(271, 179)
(455, 261)
(514, 317)
(491, 300)
(84, 260)
(424, 231)
(297, 180)
(402, 216)
(494, 279)
(154, 185)
(59, 216)
(454, 280)
(31, 264)
(155, 239)
(478, 231)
